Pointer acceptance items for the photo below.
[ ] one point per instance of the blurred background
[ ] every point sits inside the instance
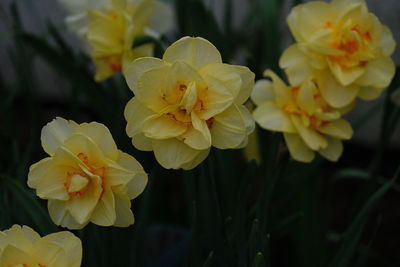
(44, 74)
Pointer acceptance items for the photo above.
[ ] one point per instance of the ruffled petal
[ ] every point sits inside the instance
(298, 149)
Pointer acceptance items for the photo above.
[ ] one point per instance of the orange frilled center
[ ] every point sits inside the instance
(78, 183)
(293, 108)
(353, 44)
(178, 111)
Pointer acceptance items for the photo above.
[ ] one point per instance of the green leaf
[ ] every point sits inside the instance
(353, 233)
(29, 204)
(258, 260)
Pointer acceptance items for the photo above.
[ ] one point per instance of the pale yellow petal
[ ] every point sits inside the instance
(141, 142)
(201, 156)
(281, 90)
(81, 207)
(263, 91)
(142, 51)
(11, 254)
(334, 149)
(334, 93)
(295, 64)
(197, 52)
(101, 136)
(338, 128)
(311, 138)
(198, 136)
(55, 132)
(50, 254)
(135, 113)
(298, 149)
(218, 98)
(228, 129)
(378, 73)
(387, 42)
(162, 127)
(60, 216)
(134, 70)
(124, 215)
(70, 244)
(104, 212)
(173, 153)
(269, 116)
(369, 93)
(346, 76)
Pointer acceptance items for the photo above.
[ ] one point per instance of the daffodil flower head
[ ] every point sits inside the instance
(306, 120)
(23, 247)
(345, 44)
(109, 28)
(86, 178)
(187, 102)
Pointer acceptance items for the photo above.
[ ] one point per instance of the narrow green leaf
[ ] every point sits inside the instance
(259, 260)
(353, 233)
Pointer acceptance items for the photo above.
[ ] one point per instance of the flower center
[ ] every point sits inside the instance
(310, 120)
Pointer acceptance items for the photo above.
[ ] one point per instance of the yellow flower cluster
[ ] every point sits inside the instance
(23, 247)
(186, 103)
(341, 52)
(110, 26)
(86, 178)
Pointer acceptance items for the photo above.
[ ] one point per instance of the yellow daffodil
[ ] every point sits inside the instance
(86, 178)
(23, 247)
(344, 44)
(110, 26)
(307, 122)
(187, 102)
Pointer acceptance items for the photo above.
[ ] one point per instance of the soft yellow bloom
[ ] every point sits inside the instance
(86, 178)
(308, 124)
(345, 44)
(110, 26)
(187, 102)
(23, 247)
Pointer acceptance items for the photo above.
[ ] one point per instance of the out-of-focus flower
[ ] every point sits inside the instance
(308, 124)
(86, 178)
(343, 43)
(23, 247)
(186, 103)
(109, 28)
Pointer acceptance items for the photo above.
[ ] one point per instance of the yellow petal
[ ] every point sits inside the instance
(387, 42)
(60, 216)
(104, 212)
(311, 138)
(82, 206)
(134, 70)
(378, 73)
(305, 98)
(141, 142)
(183, 73)
(269, 116)
(142, 51)
(298, 149)
(50, 254)
(295, 64)
(173, 153)
(189, 98)
(338, 128)
(70, 244)
(11, 254)
(346, 76)
(218, 98)
(124, 215)
(263, 91)
(334, 149)
(201, 156)
(17, 236)
(369, 93)
(228, 130)
(101, 136)
(334, 93)
(55, 132)
(135, 113)
(197, 52)
(79, 144)
(281, 90)
(162, 127)
(198, 136)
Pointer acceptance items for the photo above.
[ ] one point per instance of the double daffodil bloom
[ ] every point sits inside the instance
(110, 26)
(187, 102)
(344, 45)
(86, 178)
(23, 247)
(307, 122)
